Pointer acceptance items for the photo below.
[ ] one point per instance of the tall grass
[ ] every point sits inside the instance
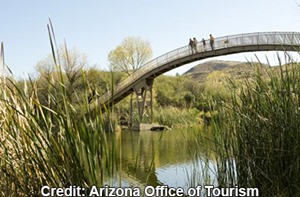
(257, 133)
(176, 117)
(49, 144)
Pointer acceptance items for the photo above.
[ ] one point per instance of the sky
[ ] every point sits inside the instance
(97, 27)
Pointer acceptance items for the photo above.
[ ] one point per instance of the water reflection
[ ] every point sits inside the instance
(177, 158)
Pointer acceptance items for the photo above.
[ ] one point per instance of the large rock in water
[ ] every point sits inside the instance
(149, 127)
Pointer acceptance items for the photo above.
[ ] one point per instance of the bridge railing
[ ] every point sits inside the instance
(268, 38)
(265, 38)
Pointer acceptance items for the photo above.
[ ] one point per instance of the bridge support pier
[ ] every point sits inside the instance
(144, 101)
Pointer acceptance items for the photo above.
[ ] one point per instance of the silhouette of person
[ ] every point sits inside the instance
(211, 41)
(226, 43)
(195, 43)
(191, 43)
(204, 44)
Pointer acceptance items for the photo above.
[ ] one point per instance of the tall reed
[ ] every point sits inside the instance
(50, 144)
(257, 133)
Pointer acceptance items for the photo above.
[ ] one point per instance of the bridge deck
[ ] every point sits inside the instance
(267, 41)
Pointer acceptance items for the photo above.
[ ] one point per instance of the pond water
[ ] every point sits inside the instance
(178, 158)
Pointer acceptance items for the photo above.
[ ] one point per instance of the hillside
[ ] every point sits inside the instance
(234, 68)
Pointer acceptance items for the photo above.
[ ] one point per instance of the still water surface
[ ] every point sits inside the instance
(177, 158)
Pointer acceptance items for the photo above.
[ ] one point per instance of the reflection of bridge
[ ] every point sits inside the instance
(141, 80)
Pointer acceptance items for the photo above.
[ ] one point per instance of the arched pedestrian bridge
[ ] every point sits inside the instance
(142, 79)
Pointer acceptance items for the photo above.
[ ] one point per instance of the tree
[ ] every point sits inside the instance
(71, 62)
(127, 57)
(130, 55)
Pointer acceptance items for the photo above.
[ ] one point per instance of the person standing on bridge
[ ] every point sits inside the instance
(204, 44)
(191, 43)
(211, 41)
(195, 44)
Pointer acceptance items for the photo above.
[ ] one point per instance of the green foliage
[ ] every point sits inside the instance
(70, 71)
(175, 117)
(258, 130)
(130, 55)
(215, 86)
(44, 137)
(76, 75)
(176, 91)
(48, 146)
(189, 99)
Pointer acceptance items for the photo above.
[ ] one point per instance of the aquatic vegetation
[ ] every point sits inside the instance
(50, 144)
(257, 133)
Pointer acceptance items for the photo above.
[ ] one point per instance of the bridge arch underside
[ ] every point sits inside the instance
(151, 75)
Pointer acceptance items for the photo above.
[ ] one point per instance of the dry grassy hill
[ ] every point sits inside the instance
(234, 68)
